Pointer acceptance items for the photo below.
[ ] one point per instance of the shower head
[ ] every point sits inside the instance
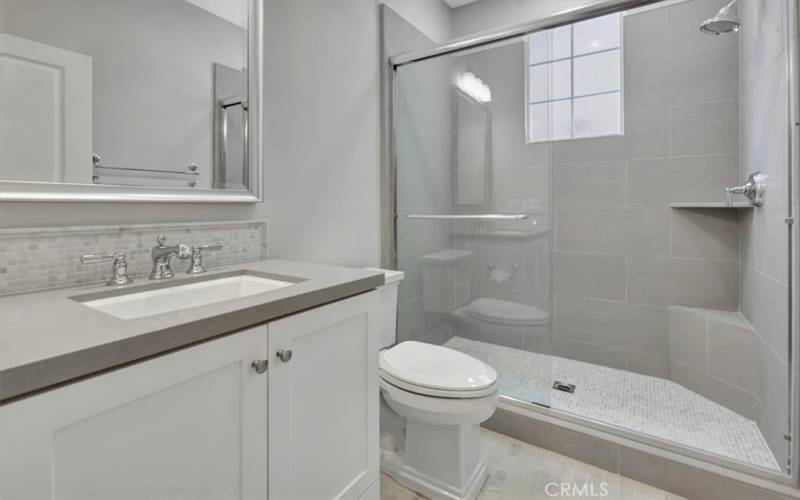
(726, 21)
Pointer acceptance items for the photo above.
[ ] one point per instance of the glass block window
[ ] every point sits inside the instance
(574, 81)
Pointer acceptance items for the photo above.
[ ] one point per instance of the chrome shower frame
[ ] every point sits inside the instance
(730, 468)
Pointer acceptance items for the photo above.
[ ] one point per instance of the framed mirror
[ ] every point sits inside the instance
(471, 151)
(130, 100)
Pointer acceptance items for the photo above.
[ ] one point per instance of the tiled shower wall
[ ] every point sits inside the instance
(764, 271)
(43, 258)
(622, 255)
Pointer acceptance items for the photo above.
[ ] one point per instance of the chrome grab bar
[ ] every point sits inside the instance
(469, 216)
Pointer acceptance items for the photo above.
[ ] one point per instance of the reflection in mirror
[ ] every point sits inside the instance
(472, 172)
(148, 93)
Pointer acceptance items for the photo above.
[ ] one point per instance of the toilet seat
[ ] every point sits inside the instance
(432, 370)
(506, 313)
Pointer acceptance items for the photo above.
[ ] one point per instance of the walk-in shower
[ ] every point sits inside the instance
(571, 227)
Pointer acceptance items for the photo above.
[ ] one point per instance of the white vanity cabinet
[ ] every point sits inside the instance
(323, 402)
(202, 423)
(184, 425)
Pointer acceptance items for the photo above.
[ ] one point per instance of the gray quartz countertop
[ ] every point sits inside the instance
(48, 338)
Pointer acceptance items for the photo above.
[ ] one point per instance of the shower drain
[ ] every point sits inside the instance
(561, 386)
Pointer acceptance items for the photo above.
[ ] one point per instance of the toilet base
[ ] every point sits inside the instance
(442, 462)
(436, 490)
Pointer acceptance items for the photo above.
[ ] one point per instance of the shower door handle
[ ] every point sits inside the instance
(468, 216)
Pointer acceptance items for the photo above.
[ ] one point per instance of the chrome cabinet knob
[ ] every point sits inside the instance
(260, 365)
(284, 355)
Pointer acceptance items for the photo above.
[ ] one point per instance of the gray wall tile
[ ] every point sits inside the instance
(731, 355)
(623, 231)
(711, 128)
(705, 234)
(646, 136)
(695, 283)
(773, 428)
(646, 36)
(633, 327)
(659, 182)
(764, 42)
(589, 275)
(764, 104)
(765, 242)
(764, 114)
(649, 364)
(647, 81)
(591, 352)
(688, 334)
(769, 157)
(702, 77)
(717, 390)
(589, 185)
(772, 383)
(765, 305)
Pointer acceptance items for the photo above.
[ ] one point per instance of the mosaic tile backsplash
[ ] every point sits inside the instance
(35, 259)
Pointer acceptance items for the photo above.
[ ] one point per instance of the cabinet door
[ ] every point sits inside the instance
(186, 425)
(323, 402)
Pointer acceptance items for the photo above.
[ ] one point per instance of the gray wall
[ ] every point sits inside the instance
(432, 18)
(487, 15)
(322, 130)
(152, 73)
(763, 145)
(622, 255)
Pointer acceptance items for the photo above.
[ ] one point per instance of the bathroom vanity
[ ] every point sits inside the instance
(270, 395)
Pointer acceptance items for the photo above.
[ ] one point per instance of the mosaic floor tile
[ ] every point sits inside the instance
(650, 405)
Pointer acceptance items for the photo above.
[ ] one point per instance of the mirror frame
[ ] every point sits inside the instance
(54, 191)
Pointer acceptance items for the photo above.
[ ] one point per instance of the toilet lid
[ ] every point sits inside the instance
(506, 313)
(434, 367)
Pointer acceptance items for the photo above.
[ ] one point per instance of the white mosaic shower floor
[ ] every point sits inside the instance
(650, 405)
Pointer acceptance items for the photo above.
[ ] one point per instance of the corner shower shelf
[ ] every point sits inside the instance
(716, 204)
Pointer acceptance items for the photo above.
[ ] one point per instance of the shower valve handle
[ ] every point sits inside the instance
(753, 189)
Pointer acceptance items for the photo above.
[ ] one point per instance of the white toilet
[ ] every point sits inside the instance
(432, 402)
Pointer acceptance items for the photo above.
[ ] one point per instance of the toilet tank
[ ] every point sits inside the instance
(388, 304)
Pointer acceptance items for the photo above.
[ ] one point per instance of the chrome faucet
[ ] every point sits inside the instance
(162, 254)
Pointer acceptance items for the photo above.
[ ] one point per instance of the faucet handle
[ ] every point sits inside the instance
(120, 266)
(753, 189)
(196, 267)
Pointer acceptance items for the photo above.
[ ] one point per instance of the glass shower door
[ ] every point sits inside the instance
(472, 219)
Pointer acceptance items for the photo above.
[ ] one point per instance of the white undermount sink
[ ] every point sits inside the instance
(174, 298)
